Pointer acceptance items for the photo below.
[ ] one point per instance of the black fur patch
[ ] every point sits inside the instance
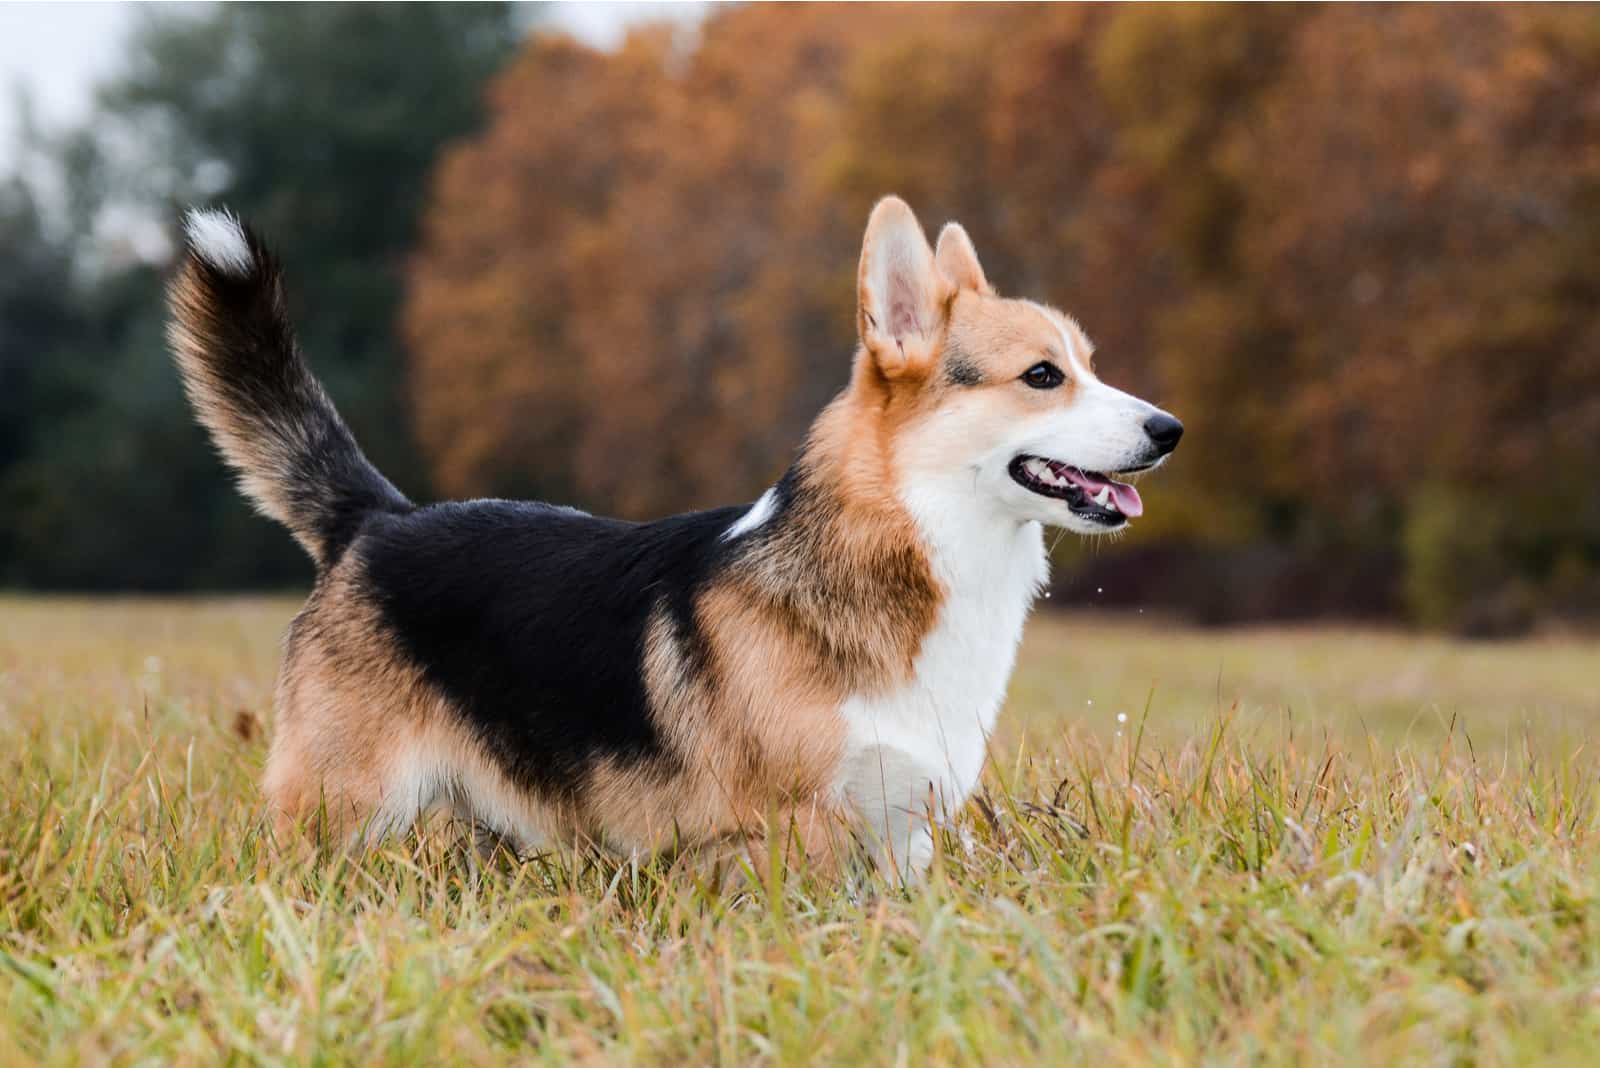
(959, 368)
(532, 619)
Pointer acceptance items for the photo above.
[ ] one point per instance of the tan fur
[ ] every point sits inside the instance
(1006, 337)
(348, 706)
(958, 260)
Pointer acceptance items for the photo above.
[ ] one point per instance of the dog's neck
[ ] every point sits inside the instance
(849, 459)
(862, 564)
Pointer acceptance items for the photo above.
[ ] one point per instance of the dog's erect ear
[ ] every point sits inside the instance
(901, 296)
(958, 260)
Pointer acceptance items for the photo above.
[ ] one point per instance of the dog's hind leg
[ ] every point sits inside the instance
(330, 803)
(341, 769)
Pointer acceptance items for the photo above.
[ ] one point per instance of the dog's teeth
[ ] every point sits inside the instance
(1103, 496)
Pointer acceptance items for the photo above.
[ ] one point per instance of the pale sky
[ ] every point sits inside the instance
(58, 51)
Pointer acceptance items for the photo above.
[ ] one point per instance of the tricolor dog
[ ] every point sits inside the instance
(832, 656)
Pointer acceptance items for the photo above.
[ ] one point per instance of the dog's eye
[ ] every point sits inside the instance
(1044, 375)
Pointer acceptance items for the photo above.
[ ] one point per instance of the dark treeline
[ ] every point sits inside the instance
(319, 123)
(1356, 248)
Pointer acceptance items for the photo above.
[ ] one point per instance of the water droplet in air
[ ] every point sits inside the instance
(1099, 589)
(1122, 717)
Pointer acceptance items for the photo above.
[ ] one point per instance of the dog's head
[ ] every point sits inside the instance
(994, 396)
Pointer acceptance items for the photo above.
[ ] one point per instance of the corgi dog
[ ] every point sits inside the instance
(833, 655)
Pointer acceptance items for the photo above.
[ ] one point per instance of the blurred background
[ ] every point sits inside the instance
(605, 254)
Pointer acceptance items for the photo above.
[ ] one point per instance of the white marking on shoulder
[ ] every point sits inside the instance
(218, 239)
(758, 514)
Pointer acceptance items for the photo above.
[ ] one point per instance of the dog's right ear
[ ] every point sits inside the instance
(958, 260)
(902, 297)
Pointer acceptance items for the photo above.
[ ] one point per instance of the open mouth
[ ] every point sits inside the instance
(1088, 494)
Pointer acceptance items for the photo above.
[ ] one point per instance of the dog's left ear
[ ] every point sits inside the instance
(958, 260)
(902, 297)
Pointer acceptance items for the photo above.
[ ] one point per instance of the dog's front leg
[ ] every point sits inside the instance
(896, 797)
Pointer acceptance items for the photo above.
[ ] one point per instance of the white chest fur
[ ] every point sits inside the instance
(924, 743)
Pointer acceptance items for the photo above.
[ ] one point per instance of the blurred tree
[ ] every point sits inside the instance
(497, 372)
(541, 326)
(319, 123)
(36, 321)
(36, 314)
(1420, 235)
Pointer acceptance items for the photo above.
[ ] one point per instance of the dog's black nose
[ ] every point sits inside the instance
(1164, 431)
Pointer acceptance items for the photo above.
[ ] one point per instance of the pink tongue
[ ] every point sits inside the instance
(1124, 496)
(1127, 498)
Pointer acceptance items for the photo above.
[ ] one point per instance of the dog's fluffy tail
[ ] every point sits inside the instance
(251, 389)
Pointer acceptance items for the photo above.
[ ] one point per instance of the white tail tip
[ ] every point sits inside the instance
(218, 238)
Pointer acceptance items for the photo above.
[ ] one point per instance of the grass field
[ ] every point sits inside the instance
(1319, 846)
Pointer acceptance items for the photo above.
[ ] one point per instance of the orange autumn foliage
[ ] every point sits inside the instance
(1357, 248)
